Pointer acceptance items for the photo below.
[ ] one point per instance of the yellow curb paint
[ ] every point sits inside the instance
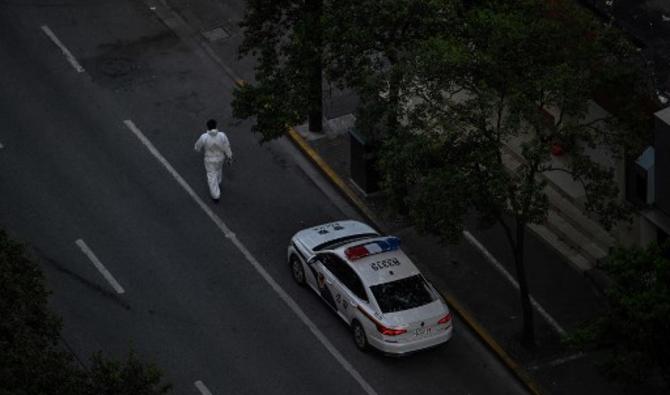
(518, 371)
(333, 177)
(465, 315)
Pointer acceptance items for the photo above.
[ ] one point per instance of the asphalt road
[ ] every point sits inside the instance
(72, 170)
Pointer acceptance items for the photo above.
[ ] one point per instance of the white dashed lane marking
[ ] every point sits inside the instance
(98, 265)
(202, 388)
(68, 55)
(253, 261)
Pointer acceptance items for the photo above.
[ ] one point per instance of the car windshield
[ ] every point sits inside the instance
(403, 294)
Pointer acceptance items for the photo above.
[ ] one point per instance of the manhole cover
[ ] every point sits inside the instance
(216, 34)
(116, 67)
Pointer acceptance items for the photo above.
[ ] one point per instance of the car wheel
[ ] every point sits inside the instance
(297, 270)
(360, 338)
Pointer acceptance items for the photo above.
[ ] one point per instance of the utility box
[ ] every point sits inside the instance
(363, 163)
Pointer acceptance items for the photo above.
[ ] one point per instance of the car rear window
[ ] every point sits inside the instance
(403, 294)
(342, 241)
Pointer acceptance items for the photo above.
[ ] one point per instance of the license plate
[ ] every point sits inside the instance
(420, 331)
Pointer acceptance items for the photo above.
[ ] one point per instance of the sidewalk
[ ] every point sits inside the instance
(478, 292)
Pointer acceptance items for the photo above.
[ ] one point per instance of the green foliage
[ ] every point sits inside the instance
(635, 327)
(270, 104)
(366, 38)
(32, 360)
(359, 43)
(285, 38)
(512, 74)
(24, 302)
(438, 179)
(489, 84)
(130, 377)
(366, 43)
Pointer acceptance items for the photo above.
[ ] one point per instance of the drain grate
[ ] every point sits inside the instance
(216, 34)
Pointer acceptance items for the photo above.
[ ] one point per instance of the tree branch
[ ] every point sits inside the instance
(508, 232)
(564, 170)
(560, 117)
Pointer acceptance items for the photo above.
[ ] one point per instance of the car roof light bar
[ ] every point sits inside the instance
(389, 243)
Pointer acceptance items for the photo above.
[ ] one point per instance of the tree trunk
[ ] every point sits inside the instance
(395, 80)
(528, 334)
(315, 67)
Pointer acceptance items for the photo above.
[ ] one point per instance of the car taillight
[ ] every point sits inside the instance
(390, 331)
(445, 319)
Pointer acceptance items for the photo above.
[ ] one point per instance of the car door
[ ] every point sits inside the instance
(344, 286)
(353, 292)
(325, 279)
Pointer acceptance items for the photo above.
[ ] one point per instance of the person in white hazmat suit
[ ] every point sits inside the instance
(217, 151)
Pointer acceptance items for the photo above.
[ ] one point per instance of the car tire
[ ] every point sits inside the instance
(360, 338)
(297, 270)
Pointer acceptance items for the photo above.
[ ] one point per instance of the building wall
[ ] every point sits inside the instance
(662, 162)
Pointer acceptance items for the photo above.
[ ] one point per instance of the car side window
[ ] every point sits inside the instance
(356, 286)
(346, 275)
(330, 263)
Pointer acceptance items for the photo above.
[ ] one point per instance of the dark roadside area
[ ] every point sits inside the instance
(461, 271)
(569, 296)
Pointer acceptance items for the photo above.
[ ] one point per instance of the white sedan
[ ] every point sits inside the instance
(372, 285)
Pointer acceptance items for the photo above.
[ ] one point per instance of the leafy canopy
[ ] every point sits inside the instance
(515, 73)
(32, 359)
(635, 327)
(283, 37)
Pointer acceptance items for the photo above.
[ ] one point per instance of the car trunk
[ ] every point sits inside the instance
(420, 321)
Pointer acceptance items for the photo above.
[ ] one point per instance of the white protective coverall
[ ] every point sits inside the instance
(217, 151)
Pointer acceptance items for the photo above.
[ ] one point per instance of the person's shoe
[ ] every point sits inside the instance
(216, 200)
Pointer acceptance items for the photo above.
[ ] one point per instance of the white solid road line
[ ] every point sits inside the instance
(63, 48)
(101, 268)
(511, 279)
(252, 260)
(202, 388)
(559, 361)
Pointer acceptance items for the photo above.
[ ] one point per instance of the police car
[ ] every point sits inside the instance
(372, 285)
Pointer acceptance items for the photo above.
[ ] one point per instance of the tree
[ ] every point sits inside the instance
(366, 42)
(514, 72)
(359, 43)
(130, 377)
(635, 326)
(285, 36)
(33, 361)
(29, 332)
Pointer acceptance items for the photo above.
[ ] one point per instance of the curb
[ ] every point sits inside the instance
(465, 315)
(334, 179)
